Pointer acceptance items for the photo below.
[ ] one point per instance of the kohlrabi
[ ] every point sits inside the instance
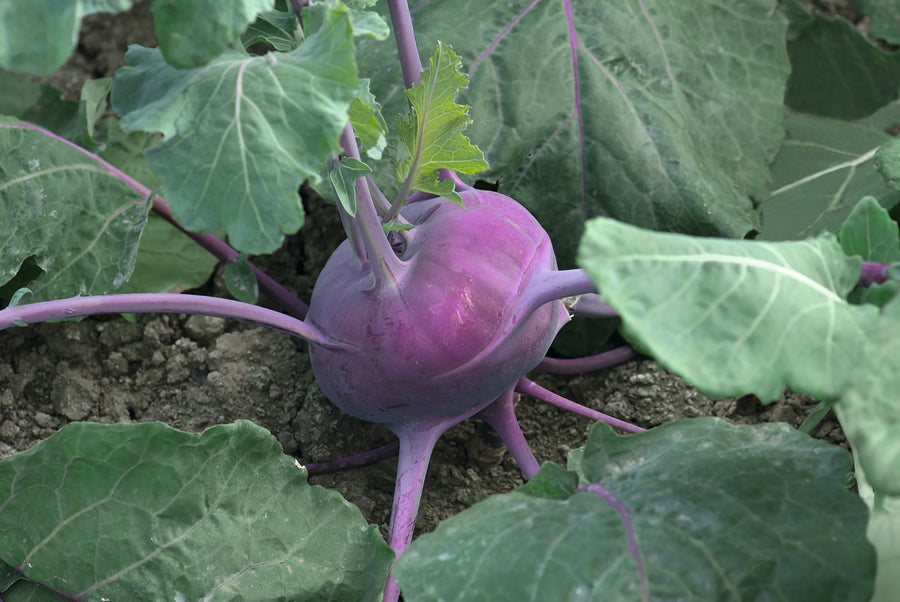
(438, 328)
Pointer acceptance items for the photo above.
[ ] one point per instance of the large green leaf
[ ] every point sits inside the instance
(193, 32)
(263, 125)
(884, 18)
(731, 316)
(822, 169)
(835, 70)
(38, 36)
(79, 222)
(669, 121)
(128, 511)
(869, 410)
(870, 233)
(696, 510)
(884, 533)
(42, 104)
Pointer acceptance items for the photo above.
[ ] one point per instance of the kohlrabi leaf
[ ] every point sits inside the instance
(343, 177)
(367, 121)
(823, 168)
(869, 409)
(730, 316)
(835, 70)
(884, 19)
(80, 223)
(42, 104)
(38, 37)
(693, 510)
(278, 28)
(870, 233)
(265, 125)
(126, 151)
(240, 279)
(887, 162)
(94, 95)
(884, 533)
(432, 135)
(168, 261)
(669, 120)
(111, 511)
(192, 32)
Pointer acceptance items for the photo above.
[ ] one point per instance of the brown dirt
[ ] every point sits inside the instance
(193, 372)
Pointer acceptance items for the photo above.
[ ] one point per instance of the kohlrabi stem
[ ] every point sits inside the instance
(552, 285)
(501, 415)
(405, 35)
(355, 461)
(74, 307)
(538, 392)
(600, 361)
(221, 250)
(873, 273)
(210, 242)
(416, 445)
(380, 257)
(417, 439)
(590, 305)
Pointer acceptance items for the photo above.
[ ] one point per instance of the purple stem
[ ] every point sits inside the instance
(405, 35)
(538, 392)
(74, 307)
(873, 273)
(590, 305)
(223, 251)
(417, 439)
(501, 415)
(355, 461)
(385, 265)
(210, 242)
(625, 513)
(551, 285)
(601, 361)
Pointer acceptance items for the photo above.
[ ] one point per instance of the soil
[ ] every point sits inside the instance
(194, 372)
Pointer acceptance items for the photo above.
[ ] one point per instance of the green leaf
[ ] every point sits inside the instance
(240, 280)
(29, 591)
(370, 25)
(42, 104)
(884, 533)
(713, 511)
(38, 36)
(168, 261)
(94, 96)
(223, 514)
(126, 151)
(266, 124)
(21, 92)
(432, 134)
(822, 169)
(870, 233)
(191, 32)
(733, 317)
(869, 409)
(343, 177)
(820, 48)
(671, 122)
(80, 223)
(278, 28)
(367, 121)
(887, 162)
(884, 18)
